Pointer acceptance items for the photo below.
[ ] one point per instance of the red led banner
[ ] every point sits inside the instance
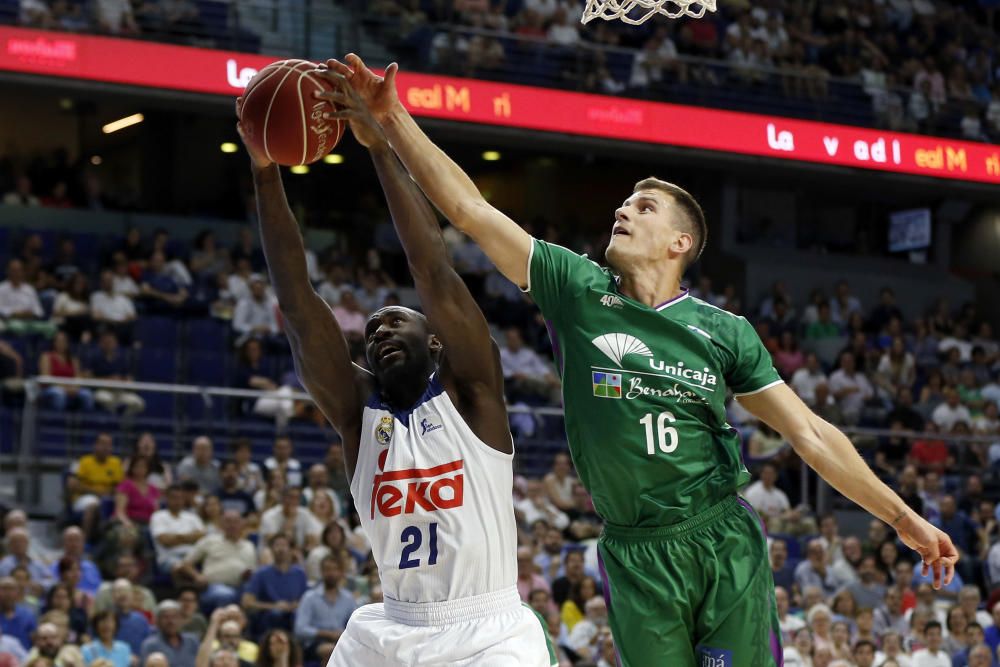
(225, 73)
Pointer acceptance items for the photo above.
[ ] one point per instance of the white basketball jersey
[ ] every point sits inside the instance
(435, 501)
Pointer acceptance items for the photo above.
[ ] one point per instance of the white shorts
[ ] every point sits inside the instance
(491, 630)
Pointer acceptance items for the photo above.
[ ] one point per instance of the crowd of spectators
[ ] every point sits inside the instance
(925, 65)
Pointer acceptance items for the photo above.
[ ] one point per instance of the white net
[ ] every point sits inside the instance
(635, 12)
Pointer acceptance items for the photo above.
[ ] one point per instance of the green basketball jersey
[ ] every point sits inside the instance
(644, 390)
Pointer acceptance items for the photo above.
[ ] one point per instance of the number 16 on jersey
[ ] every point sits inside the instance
(665, 437)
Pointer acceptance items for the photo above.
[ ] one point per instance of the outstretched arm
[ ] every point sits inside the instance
(446, 185)
(322, 357)
(828, 451)
(471, 360)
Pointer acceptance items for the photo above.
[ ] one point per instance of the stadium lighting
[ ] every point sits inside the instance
(334, 158)
(229, 147)
(96, 160)
(300, 169)
(122, 123)
(491, 156)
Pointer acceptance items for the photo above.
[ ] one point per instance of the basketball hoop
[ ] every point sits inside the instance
(609, 10)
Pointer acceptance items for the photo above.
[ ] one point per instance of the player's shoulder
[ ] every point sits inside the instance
(548, 252)
(714, 320)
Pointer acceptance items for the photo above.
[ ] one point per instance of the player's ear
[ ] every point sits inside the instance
(682, 243)
(435, 345)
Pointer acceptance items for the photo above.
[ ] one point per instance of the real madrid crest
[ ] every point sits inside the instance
(383, 432)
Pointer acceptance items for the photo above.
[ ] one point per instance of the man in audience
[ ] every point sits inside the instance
(74, 546)
(179, 650)
(16, 620)
(868, 592)
(324, 611)
(231, 494)
(201, 465)
(133, 628)
(161, 294)
(527, 376)
(50, 643)
(112, 309)
(112, 363)
(20, 309)
(850, 388)
(805, 379)
(813, 571)
(773, 506)
(255, 315)
(281, 459)
(18, 548)
(226, 561)
(93, 480)
(126, 567)
(272, 595)
(934, 655)
(574, 572)
(536, 505)
(293, 520)
(781, 570)
(528, 579)
(174, 530)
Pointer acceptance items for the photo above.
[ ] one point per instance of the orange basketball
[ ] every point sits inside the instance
(282, 117)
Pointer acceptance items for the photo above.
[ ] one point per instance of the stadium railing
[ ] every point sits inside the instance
(49, 441)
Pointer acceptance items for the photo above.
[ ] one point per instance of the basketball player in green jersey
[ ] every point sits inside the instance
(645, 370)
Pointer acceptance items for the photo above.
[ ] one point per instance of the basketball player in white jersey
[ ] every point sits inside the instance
(426, 439)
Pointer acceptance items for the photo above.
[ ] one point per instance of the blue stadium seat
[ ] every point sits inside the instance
(9, 10)
(157, 332)
(214, 18)
(156, 365)
(208, 334)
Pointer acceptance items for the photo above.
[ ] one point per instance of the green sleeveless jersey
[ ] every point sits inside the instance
(644, 390)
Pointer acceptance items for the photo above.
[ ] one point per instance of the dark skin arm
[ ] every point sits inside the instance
(321, 354)
(470, 369)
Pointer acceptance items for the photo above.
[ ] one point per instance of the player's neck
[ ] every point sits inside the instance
(649, 287)
(403, 395)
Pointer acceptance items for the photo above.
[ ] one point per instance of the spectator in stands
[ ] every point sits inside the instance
(782, 571)
(253, 373)
(903, 411)
(155, 660)
(560, 481)
(281, 459)
(179, 649)
(16, 620)
(278, 648)
(292, 520)
(231, 494)
(20, 309)
(135, 498)
(50, 643)
(22, 194)
(272, 595)
(113, 309)
(249, 473)
(201, 465)
(105, 645)
(813, 571)
(115, 17)
(192, 620)
(527, 376)
(850, 388)
(132, 626)
(18, 543)
(123, 282)
(824, 327)
(71, 310)
(112, 363)
(934, 654)
(175, 530)
(11, 648)
(585, 522)
(226, 561)
(573, 573)
(333, 541)
(867, 590)
(949, 413)
(805, 379)
(255, 315)
(60, 362)
(773, 506)
(93, 480)
(318, 483)
(585, 632)
(896, 369)
(324, 611)
(126, 568)
(350, 316)
(536, 505)
(160, 292)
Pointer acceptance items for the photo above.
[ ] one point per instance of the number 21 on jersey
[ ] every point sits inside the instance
(413, 537)
(664, 438)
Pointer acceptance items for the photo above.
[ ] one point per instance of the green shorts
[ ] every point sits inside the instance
(698, 593)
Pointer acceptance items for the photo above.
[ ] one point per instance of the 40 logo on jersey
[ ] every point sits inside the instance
(399, 492)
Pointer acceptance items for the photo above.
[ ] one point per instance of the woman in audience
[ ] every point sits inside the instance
(211, 514)
(789, 357)
(279, 649)
(135, 498)
(251, 480)
(105, 646)
(579, 593)
(820, 619)
(74, 604)
(800, 652)
(322, 508)
(60, 362)
(160, 474)
(333, 541)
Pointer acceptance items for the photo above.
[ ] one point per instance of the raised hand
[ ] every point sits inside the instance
(377, 92)
(259, 159)
(352, 108)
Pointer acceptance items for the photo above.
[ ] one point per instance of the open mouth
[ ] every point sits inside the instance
(386, 350)
(619, 231)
